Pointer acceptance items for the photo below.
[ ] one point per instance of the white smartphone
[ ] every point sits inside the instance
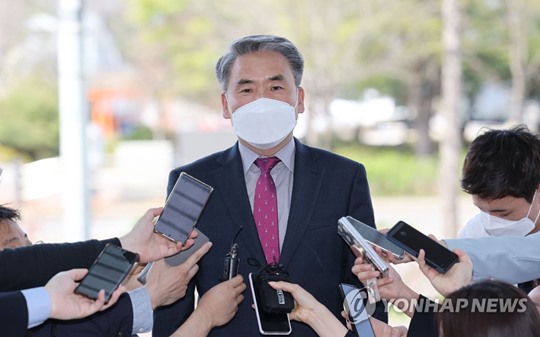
(269, 324)
(356, 241)
(377, 238)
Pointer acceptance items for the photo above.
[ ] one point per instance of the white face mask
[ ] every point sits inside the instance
(264, 123)
(496, 226)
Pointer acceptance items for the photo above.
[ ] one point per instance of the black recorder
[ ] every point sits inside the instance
(274, 301)
(272, 307)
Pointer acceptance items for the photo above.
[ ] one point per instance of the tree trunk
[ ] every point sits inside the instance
(451, 89)
(517, 58)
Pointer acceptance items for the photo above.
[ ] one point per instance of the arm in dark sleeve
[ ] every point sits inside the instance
(13, 314)
(113, 322)
(423, 322)
(34, 266)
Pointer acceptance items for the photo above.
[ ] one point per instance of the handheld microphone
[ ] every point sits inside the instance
(232, 260)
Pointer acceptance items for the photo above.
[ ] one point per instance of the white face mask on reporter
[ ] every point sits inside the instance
(495, 226)
(264, 123)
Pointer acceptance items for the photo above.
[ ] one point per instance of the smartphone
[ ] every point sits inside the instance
(183, 208)
(377, 238)
(182, 256)
(353, 304)
(108, 271)
(412, 240)
(269, 324)
(354, 239)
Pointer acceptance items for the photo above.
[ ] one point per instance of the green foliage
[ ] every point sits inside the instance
(139, 133)
(29, 125)
(394, 171)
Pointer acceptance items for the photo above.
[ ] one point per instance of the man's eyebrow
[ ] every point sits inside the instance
(8, 241)
(277, 78)
(243, 81)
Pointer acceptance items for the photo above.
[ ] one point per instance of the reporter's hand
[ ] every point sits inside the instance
(65, 304)
(166, 283)
(382, 329)
(391, 287)
(215, 308)
(390, 257)
(149, 245)
(459, 275)
(310, 311)
(219, 304)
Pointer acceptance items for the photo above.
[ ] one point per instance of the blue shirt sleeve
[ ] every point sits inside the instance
(142, 310)
(39, 305)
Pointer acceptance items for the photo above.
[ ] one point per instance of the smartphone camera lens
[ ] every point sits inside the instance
(403, 233)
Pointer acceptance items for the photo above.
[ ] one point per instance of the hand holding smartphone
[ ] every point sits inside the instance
(353, 304)
(183, 208)
(412, 240)
(108, 271)
(377, 238)
(269, 324)
(356, 241)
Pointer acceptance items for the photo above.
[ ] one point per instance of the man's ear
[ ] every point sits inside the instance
(225, 106)
(300, 107)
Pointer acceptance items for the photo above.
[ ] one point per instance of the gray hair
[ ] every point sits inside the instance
(256, 43)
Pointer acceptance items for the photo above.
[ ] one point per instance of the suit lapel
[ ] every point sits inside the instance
(231, 184)
(308, 176)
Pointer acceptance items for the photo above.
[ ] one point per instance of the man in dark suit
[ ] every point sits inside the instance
(260, 77)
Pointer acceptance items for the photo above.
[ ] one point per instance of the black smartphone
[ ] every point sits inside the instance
(108, 271)
(183, 208)
(269, 324)
(377, 238)
(412, 240)
(353, 304)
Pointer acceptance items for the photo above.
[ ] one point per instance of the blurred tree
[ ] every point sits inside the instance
(341, 41)
(29, 110)
(522, 17)
(451, 93)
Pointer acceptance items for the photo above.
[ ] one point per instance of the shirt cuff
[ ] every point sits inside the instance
(143, 319)
(39, 305)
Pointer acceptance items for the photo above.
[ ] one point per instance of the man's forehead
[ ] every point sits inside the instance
(503, 204)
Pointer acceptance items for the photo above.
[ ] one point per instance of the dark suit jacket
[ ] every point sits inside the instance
(326, 187)
(423, 323)
(113, 322)
(13, 314)
(34, 266)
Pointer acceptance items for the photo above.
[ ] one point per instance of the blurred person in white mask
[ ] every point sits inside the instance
(502, 173)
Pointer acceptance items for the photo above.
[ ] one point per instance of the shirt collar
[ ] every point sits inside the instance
(285, 154)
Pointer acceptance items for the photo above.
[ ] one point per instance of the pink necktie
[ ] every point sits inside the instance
(265, 209)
